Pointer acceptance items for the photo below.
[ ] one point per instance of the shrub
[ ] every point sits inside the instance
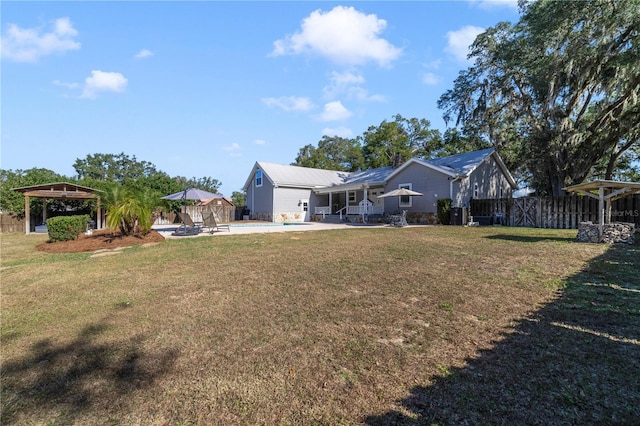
(444, 211)
(65, 228)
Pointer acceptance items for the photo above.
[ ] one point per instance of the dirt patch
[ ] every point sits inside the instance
(99, 240)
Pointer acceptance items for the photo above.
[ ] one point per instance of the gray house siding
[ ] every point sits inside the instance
(486, 181)
(288, 205)
(260, 199)
(291, 193)
(429, 182)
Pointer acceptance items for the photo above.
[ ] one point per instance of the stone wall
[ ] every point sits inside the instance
(617, 232)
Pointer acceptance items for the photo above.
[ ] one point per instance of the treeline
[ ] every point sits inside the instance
(389, 144)
(110, 173)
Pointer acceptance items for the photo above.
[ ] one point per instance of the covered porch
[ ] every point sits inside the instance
(359, 200)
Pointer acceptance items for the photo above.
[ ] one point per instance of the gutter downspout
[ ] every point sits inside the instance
(451, 185)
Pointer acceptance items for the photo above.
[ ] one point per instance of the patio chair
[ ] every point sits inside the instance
(188, 227)
(399, 220)
(209, 221)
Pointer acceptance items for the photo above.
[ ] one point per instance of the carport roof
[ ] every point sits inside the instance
(59, 191)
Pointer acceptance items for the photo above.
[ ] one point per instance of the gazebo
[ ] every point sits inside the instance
(605, 191)
(57, 191)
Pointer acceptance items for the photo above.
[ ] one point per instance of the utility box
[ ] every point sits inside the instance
(458, 216)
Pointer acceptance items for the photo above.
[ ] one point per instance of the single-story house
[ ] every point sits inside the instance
(284, 193)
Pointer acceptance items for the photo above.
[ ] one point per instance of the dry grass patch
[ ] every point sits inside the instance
(375, 326)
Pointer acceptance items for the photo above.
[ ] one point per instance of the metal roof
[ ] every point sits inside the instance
(612, 189)
(59, 190)
(370, 176)
(465, 163)
(286, 175)
(304, 177)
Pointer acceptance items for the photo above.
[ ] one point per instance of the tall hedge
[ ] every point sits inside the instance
(65, 228)
(444, 210)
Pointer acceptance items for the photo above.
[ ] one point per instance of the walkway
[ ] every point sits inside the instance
(261, 228)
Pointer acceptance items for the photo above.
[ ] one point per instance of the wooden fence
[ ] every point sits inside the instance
(557, 213)
(224, 213)
(10, 223)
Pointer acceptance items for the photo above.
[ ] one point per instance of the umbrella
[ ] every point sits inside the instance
(401, 192)
(190, 194)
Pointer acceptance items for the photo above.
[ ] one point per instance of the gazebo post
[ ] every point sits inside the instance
(44, 210)
(98, 214)
(601, 210)
(27, 215)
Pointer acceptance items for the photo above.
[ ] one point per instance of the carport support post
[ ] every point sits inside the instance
(27, 215)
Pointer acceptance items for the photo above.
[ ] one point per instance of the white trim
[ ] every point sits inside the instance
(409, 186)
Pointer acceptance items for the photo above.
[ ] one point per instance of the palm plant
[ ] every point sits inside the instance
(132, 212)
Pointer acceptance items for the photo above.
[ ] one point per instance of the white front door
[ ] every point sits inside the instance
(373, 196)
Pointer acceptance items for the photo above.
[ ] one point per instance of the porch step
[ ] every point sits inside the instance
(331, 218)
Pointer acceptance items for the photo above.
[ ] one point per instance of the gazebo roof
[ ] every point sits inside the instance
(614, 189)
(59, 191)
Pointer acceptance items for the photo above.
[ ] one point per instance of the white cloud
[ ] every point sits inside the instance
(144, 53)
(458, 42)
(434, 65)
(233, 150)
(349, 84)
(343, 132)
(493, 4)
(430, 79)
(343, 35)
(260, 142)
(101, 81)
(67, 85)
(334, 111)
(30, 44)
(290, 103)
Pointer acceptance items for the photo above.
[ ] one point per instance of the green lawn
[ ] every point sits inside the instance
(435, 325)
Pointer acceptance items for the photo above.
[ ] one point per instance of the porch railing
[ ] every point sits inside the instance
(323, 210)
(358, 210)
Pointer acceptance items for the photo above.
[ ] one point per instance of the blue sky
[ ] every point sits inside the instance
(209, 88)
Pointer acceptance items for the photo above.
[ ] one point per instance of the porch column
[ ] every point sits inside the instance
(330, 203)
(365, 202)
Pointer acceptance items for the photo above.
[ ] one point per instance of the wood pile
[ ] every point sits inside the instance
(618, 232)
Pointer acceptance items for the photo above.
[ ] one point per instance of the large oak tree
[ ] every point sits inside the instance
(560, 89)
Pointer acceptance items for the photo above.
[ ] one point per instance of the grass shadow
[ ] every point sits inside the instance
(575, 361)
(528, 238)
(63, 381)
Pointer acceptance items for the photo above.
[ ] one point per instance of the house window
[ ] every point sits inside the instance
(259, 178)
(352, 197)
(475, 190)
(305, 205)
(405, 200)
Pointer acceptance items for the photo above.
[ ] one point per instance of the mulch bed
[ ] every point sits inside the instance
(105, 239)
